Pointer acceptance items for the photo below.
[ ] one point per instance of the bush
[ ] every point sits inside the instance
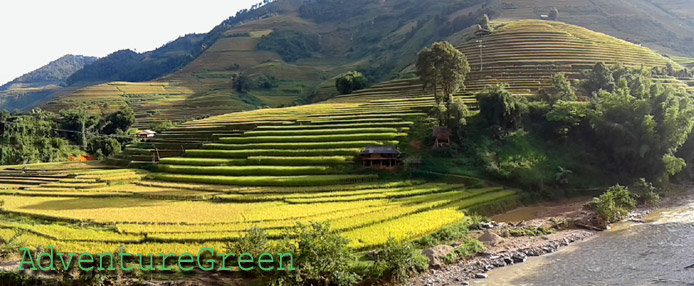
(646, 192)
(103, 146)
(161, 125)
(398, 259)
(613, 205)
(255, 242)
(321, 257)
(350, 82)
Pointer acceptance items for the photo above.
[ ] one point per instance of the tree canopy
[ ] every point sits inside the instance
(351, 81)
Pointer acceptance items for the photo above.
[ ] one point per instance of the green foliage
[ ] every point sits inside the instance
(442, 65)
(102, 146)
(121, 121)
(560, 90)
(646, 192)
(397, 260)
(290, 45)
(33, 138)
(161, 125)
(79, 122)
(600, 78)
(265, 82)
(321, 257)
(469, 248)
(351, 81)
(567, 115)
(613, 205)
(256, 242)
(500, 108)
(528, 231)
(241, 83)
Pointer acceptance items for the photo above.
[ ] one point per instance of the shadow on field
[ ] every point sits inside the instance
(90, 203)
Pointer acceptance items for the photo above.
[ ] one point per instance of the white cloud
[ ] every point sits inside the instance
(35, 32)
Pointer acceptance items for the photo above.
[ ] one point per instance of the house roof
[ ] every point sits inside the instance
(441, 132)
(380, 149)
(146, 132)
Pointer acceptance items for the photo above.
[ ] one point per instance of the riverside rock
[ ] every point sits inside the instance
(490, 238)
(436, 253)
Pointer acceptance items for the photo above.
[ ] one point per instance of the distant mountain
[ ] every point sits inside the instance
(54, 73)
(126, 65)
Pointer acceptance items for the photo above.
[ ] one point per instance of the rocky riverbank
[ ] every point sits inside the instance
(507, 252)
(573, 221)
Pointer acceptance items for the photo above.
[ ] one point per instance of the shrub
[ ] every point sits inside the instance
(321, 257)
(646, 192)
(255, 242)
(351, 81)
(398, 259)
(103, 146)
(613, 205)
(161, 125)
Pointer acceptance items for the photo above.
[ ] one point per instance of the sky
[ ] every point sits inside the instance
(35, 32)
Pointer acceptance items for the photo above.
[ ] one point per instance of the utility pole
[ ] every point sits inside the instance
(480, 44)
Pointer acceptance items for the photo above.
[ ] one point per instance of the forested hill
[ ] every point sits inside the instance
(292, 50)
(54, 73)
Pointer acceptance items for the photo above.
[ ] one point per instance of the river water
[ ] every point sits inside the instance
(654, 253)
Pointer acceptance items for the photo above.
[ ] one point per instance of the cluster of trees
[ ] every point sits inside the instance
(443, 68)
(290, 45)
(350, 82)
(636, 126)
(243, 83)
(42, 136)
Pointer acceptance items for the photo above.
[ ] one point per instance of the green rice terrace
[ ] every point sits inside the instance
(217, 177)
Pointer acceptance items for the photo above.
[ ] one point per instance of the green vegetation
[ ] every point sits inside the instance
(613, 205)
(291, 45)
(350, 82)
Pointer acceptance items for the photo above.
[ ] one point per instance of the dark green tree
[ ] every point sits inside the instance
(498, 107)
(350, 82)
(121, 120)
(80, 122)
(443, 66)
(561, 89)
(599, 78)
(241, 83)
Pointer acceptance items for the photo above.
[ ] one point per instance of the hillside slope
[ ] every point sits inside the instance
(379, 38)
(33, 86)
(664, 25)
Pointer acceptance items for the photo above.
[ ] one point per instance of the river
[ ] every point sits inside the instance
(653, 253)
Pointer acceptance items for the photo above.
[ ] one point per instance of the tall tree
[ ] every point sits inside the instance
(445, 66)
(78, 121)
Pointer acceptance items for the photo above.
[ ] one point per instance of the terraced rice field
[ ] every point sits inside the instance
(526, 53)
(219, 176)
(86, 207)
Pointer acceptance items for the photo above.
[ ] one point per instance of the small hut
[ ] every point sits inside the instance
(380, 157)
(442, 137)
(145, 135)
